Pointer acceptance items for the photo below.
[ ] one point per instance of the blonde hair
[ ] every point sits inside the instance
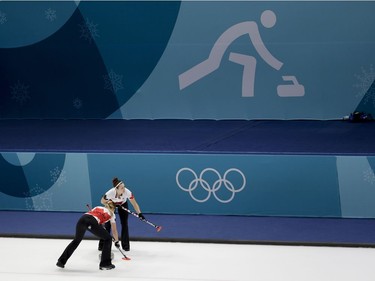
(110, 206)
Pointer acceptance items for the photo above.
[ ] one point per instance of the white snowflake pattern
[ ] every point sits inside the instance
(20, 92)
(369, 176)
(366, 78)
(88, 30)
(3, 17)
(77, 103)
(58, 176)
(40, 202)
(113, 81)
(29, 203)
(50, 14)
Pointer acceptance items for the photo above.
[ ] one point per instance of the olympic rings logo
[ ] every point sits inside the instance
(210, 186)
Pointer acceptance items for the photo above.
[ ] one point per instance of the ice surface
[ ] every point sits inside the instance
(35, 260)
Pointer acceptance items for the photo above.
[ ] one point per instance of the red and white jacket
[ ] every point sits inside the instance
(118, 200)
(102, 215)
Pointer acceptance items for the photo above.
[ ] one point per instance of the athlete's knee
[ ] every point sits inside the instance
(108, 238)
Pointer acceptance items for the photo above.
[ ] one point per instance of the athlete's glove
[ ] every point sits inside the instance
(141, 216)
(117, 244)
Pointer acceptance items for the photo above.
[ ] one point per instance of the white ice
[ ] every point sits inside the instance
(35, 260)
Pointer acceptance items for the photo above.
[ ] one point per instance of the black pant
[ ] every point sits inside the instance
(88, 222)
(124, 215)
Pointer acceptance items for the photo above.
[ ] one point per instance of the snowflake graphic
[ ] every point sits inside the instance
(29, 204)
(77, 103)
(20, 92)
(58, 176)
(113, 81)
(366, 78)
(50, 14)
(3, 17)
(88, 30)
(368, 176)
(35, 190)
(41, 202)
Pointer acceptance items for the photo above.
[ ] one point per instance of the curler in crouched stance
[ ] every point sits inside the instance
(93, 221)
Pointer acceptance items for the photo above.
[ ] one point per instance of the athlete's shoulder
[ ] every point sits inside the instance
(111, 192)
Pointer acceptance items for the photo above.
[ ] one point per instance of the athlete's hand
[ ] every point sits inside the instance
(141, 216)
(117, 244)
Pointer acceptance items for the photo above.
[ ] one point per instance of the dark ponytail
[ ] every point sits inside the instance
(116, 182)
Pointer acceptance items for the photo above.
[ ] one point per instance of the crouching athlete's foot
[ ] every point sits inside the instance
(107, 267)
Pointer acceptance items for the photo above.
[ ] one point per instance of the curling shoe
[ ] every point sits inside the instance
(107, 267)
(60, 264)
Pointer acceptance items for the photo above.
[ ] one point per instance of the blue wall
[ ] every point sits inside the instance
(172, 59)
(310, 186)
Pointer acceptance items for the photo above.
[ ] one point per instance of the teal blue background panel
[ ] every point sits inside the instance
(175, 60)
(264, 185)
(327, 45)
